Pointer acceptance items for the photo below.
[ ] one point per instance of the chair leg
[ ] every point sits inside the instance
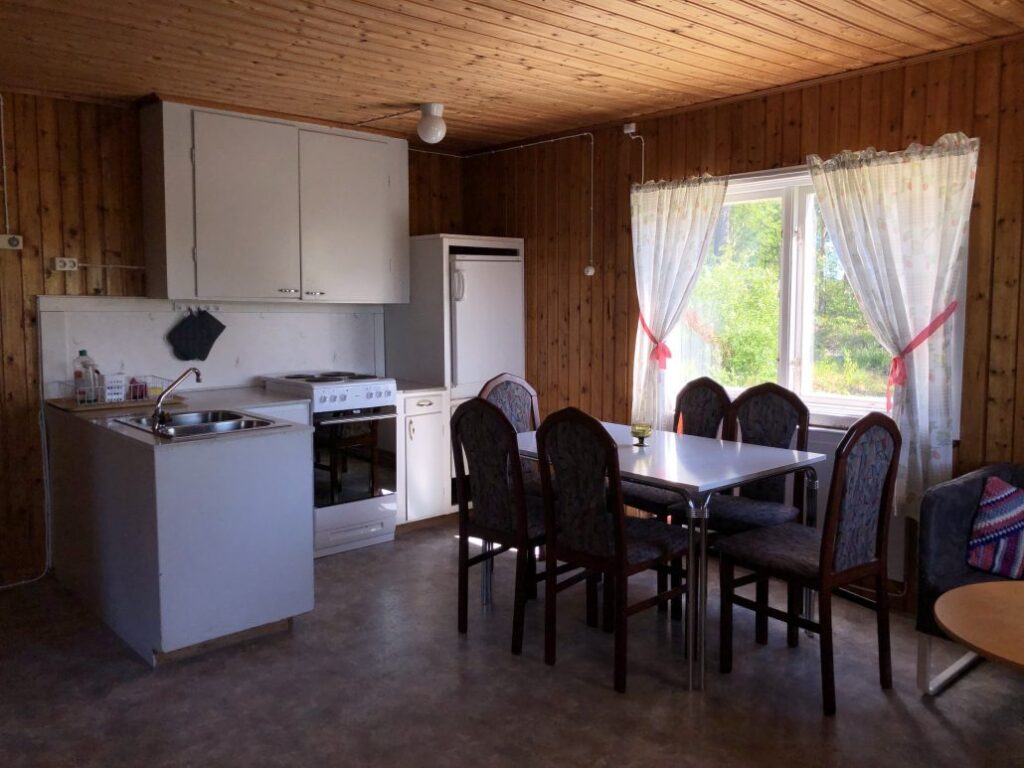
(550, 596)
(725, 578)
(662, 586)
(884, 652)
(794, 604)
(761, 615)
(677, 581)
(519, 607)
(828, 675)
(463, 580)
(531, 574)
(608, 609)
(592, 582)
(621, 588)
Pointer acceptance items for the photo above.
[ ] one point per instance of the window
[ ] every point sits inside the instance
(773, 303)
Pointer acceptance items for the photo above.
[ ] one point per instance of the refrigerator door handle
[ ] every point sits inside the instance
(458, 285)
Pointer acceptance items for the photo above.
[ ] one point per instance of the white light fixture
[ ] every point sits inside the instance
(431, 127)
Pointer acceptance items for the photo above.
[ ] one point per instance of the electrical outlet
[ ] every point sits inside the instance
(11, 242)
(65, 265)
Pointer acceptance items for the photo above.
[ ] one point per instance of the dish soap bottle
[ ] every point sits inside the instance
(85, 378)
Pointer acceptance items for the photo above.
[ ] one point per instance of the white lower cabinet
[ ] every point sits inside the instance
(427, 484)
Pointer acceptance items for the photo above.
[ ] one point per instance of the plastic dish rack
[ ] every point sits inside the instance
(116, 388)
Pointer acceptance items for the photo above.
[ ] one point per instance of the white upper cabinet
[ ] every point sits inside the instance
(355, 219)
(246, 208)
(237, 207)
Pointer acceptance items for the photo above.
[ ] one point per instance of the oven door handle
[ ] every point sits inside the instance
(355, 419)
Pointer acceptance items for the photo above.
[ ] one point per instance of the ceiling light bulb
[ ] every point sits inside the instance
(589, 270)
(431, 127)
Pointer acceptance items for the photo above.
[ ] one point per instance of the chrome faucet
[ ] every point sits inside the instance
(159, 416)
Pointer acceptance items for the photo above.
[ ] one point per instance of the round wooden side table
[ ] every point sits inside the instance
(988, 618)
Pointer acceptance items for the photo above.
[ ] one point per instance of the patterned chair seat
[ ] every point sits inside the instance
(657, 501)
(790, 549)
(736, 514)
(671, 540)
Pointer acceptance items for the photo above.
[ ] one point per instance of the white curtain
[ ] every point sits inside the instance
(673, 223)
(899, 222)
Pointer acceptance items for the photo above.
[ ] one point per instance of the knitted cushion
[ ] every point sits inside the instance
(997, 538)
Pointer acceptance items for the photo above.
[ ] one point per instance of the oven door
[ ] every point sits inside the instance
(353, 456)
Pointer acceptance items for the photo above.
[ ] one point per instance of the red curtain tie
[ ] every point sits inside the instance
(898, 368)
(661, 352)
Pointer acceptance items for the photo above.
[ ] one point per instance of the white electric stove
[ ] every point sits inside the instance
(354, 474)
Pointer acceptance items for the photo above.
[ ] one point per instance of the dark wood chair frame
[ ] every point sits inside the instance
(704, 382)
(731, 430)
(502, 378)
(615, 570)
(527, 577)
(826, 580)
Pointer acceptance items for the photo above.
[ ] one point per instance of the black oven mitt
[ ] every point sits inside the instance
(192, 338)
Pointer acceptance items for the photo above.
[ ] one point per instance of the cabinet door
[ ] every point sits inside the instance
(354, 218)
(426, 466)
(246, 208)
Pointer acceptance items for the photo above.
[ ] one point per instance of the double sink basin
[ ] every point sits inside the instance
(196, 424)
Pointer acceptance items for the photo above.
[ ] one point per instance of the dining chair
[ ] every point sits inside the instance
(700, 408)
(851, 547)
(768, 415)
(516, 399)
(514, 396)
(587, 527)
(488, 471)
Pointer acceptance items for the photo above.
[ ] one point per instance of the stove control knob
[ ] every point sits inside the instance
(334, 398)
(343, 398)
(323, 398)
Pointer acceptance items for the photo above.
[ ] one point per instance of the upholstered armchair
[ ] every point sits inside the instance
(947, 516)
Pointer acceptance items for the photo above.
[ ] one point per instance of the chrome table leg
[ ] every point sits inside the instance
(811, 519)
(486, 576)
(696, 588)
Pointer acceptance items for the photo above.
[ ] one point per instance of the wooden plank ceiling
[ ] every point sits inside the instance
(505, 69)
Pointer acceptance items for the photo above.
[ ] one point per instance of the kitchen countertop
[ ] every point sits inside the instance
(213, 399)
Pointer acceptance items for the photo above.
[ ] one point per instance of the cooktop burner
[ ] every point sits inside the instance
(330, 376)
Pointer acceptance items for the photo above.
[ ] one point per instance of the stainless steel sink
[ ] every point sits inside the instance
(198, 424)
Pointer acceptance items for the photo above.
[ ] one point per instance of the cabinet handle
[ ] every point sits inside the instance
(288, 290)
(315, 293)
(412, 429)
(424, 403)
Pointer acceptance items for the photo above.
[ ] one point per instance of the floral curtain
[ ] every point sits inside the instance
(899, 221)
(673, 223)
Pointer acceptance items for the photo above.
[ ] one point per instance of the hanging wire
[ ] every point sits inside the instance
(590, 269)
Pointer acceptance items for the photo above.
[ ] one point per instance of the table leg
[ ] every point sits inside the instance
(486, 576)
(810, 518)
(696, 587)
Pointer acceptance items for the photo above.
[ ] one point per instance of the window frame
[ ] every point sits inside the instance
(796, 306)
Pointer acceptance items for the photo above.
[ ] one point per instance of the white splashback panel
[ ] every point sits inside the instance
(129, 335)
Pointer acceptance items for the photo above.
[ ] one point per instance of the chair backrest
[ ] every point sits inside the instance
(516, 399)
(483, 438)
(586, 516)
(769, 415)
(860, 496)
(701, 407)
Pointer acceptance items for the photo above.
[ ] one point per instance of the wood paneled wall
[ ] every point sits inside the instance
(72, 190)
(581, 331)
(435, 193)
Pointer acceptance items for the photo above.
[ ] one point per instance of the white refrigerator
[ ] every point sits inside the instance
(466, 319)
(486, 319)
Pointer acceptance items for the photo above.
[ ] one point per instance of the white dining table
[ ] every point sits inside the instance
(697, 467)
